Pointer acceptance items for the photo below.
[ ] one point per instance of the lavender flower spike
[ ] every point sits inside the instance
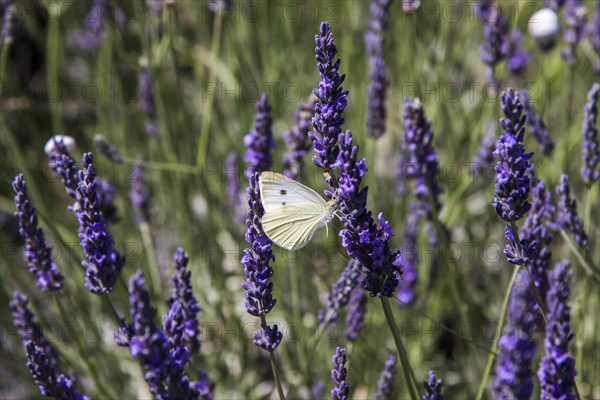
(259, 141)
(518, 59)
(139, 193)
(146, 100)
(355, 317)
(513, 170)
(65, 167)
(495, 39)
(340, 292)
(385, 387)
(433, 388)
(102, 262)
(514, 377)
(338, 376)
(575, 19)
(567, 213)
(378, 76)
(327, 122)
(297, 140)
(522, 253)
(89, 39)
(536, 125)
(37, 253)
(182, 292)
(362, 239)
(259, 299)
(590, 172)
(557, 369)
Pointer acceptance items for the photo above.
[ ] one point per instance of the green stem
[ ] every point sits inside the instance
(296, 307)
(208, 105)
(152, 268)
(580, 258)
(276, 375)
(494, 349)
(409, 375)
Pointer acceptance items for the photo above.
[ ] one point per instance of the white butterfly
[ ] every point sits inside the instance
(294, 213)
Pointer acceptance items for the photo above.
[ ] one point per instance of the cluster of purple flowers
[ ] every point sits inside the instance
(37, 253)
(259, 299)
(89, 39)
(590, 171)
(513, 170)
(42, 357)
(297, 139)
(495, 44)
(568, 218)
(517, 58)
(410, 254)
(385, 387)
(259, 141)
(108, 149)
(433, 388)
(102, 262)
(378, 76)
(139, 195)
(355, 317)
(340, 292)
(338, 376)
(520, 252)
(575, 19)
(536, 125)
(146, 101)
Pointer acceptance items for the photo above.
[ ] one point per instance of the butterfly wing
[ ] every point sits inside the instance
(277, 190)
(292, 226)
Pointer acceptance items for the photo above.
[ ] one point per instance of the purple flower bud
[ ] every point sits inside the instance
(557, 368)
(355, 317)
(590, 172)
(268, 338)
(410, 254)
(339, 295)
(385, 387)
(259, 141)
(317, 390)
(8, 16)
(106, 193)
(146, 101)
(485, 155)
(37, 253)
(89, 39)
(65, 167)
(518, 59)
(338, 376)
(495, 38)
(575, 19)
(297, 140)
(433, 388)
(139, 193)
(520, 254)
(568, 218)
(536, 125)
(108, 149)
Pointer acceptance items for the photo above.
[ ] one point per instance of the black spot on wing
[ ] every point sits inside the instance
(283, 191)
(283, 203)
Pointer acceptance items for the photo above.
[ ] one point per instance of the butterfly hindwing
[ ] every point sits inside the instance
(293, 226)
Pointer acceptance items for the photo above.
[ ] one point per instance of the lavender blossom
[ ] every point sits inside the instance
(514, 377)
(108, 149)
(89, 39)
(233, 189)
(513, 170)
(385, 387)
(575, 19)
(557, 369)
(259, 141)
(182, 293)
(378, 76)
(433, 388)
(517, 58)
(423, 163)
(65, 167)
(338, 376)
(297, 140)
(355, 317)
(362, 239)
(485, 153)
(410, 6)
(139, 193)
(522, 253)
(593, 32)
(568, 218)
(410, 254)
(327, 122)
(102, 262)
(106, 193)
(590, 172)
(536, 125)
(340, 292)
(494, 48)
(162, 362)
(259, 299)
(317, 391)
(8, 16)
(146, 101)
(37, 253)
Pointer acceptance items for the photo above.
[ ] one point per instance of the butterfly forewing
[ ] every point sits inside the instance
(278, 190)
(293, 226)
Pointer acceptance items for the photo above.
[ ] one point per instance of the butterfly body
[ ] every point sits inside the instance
(294, 213)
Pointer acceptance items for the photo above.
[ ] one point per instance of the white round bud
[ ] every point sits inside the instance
(544, 27)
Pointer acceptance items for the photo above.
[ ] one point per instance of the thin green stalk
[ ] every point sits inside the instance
(52, 48)
(580, 258)
(494, 349)
(408, 372)
(208, 105)
(274, 365)
(296, 307)
(152, 268)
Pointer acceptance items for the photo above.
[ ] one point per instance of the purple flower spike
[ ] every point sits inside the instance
(518, 59)
(340, 292)
(410, 254)
(65, 167)
(575, 19)
(268, 338)
(108, 149)
(378, 76)
(37, 253)
(139, 193)
(520, 254)
(590, 172)
(536, 125)
(259, 141)
(327, 122)
(355, 318)
(568, 218)
(557, 369)
(297, 140)
(102, 262)
(8, 17)
(514, 377)
(485, 154)
(146, 101)
(433, 388)
(89, 39)
(338, 376)
(183, 294)
(235, 193)
(362, 239)
(385, 387)
(317, 390)
(513, 170)
(494, 48)
(106, 193)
